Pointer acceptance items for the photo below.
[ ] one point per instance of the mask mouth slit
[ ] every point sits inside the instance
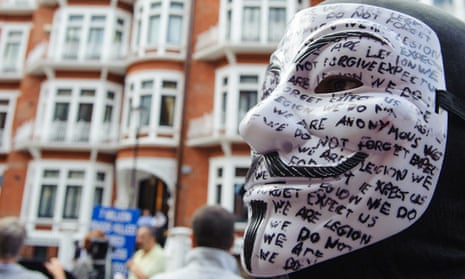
(258, 209)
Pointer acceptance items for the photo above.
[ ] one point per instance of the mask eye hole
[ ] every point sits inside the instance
(337, 83)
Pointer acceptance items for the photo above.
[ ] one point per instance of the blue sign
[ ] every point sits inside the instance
(119, 226)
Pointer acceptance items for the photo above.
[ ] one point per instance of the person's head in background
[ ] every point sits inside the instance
(146, 238)
(213, 227)
(92, 235)
(12, 236)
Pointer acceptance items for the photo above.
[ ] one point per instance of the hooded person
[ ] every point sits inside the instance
(357, 146)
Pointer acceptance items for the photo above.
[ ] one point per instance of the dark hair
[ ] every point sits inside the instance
(213, 227)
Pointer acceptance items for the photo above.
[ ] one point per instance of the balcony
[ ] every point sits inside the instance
(17, 7)
(213, 44)
(41, 59)
(10, 71)
(59, 135)
(204, 132)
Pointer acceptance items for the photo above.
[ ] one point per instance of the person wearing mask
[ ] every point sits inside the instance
(213, 236)
(336, 192)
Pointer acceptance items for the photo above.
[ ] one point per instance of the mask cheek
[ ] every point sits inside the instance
(273, 231)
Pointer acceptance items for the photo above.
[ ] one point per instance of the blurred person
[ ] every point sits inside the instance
(12, 236)
(213, 237)
(150, 258)
(84, 267)
(146, 219)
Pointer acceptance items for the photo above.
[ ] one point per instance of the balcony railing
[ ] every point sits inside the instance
(207, 39)
(17, 6)
(63, 133)
(204, 132)
(71, 56)
(17, 3)
(213, 44)
(201, 127)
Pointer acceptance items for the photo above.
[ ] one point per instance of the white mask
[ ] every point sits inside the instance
(347, 142)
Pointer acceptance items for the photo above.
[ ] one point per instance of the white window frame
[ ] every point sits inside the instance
(116, 21)
(35, 180)
(144, 10)
(153, 131)
(13, 66)
(232, 20)
(227, 181)
(6, 134)
(96, 131)
(232, 91)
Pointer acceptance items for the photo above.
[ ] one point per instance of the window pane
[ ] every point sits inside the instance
(51, 173)
(147, 84)
(76, 174)
(228, 25)
(146, 103)
(251, 24)
(176, 6)
(248, 79)
(219, 190)
(47, 201)
(224, 98)
(87, 93)
(98, 196)
(174, 29)
(247, 99)
(167, 110)
(64, 92)
(61, 112)
(11, 52)
(72, 202)
(2, 120)
(240, 210)
(100, 176)
(72, 38)
(85, 112)
(154, 30)
(108, 114)
(241, 172)
(95, 43)
(276, 23)
(169, 84)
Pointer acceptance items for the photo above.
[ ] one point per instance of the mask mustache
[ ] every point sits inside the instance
(277, 168)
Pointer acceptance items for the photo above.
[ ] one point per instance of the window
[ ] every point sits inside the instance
(78, 111)
(156, 95)
(47, 201)
(160, 26)
(13, 43)
(7, 108)
(89, 34)
(226, 182)
(238, 90)
(72, 202)
(99, 188)
(260, 21)
(63, 188)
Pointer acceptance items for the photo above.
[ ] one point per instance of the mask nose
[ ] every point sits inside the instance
(268, 127)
